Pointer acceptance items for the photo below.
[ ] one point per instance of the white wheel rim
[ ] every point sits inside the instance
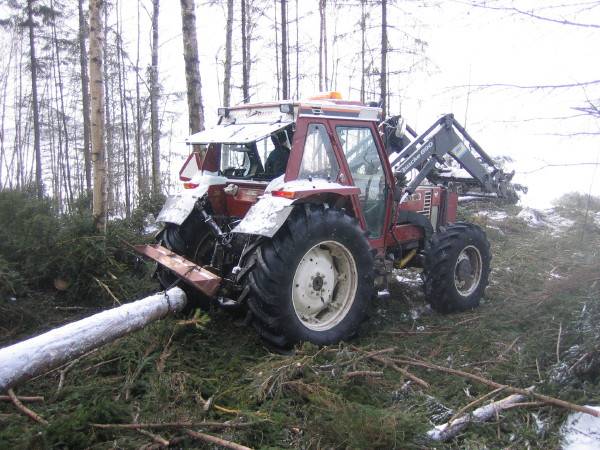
(468, 270)
(324, 285)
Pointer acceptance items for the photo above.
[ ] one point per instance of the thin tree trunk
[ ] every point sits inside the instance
(154, 88)
(297, 53)
(192, 69)
(85, 97)
(277, 71)
(67, 163)
(384, 51)
(39, 184)
(285, 90)
(245, 56)
(228, 41)
(323, 82)
(124, 117)
(108, 128)
(363, 32)
(97, 116)
(138, 117)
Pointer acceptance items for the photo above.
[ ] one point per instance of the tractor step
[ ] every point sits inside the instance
(194, 275)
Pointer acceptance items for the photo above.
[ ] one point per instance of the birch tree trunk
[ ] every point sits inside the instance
(85, 97)
(154, 87)
(39, 354)
(192, 69)
(384, 52)
(228, 41)
(285, 89)
(39, 184)
(97, 116)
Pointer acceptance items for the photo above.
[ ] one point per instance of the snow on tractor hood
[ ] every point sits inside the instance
(179, 206)
(237, 133)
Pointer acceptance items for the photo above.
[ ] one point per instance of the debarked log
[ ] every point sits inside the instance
(39, 354)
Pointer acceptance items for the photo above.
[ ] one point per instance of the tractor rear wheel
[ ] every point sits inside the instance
(313, 281)
(457, 267)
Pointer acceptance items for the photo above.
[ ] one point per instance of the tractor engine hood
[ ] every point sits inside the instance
(179, 206)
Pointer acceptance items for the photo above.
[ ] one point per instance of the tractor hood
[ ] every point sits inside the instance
(237, 133)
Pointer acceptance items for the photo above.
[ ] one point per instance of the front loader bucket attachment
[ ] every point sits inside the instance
(194, 275)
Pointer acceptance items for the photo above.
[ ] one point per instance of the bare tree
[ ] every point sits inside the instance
(323, 82)
(285, 90)
(39, 184)
(384, 52)
(97, 115)
(154, 93)
(228, 42)
(85, 97)
(245, 56)
(192, 70)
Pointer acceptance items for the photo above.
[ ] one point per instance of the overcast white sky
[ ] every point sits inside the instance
(466, 46)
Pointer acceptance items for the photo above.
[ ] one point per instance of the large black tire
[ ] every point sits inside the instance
(457, 267)
(285, 261)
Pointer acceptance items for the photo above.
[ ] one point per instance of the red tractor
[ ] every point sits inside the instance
(297, 213)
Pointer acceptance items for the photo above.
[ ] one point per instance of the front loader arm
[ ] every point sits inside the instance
(447, 137)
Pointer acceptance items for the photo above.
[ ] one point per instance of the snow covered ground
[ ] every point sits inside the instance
(581, 431)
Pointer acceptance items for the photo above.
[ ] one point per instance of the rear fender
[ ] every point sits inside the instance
(271, 211)
(178, 207)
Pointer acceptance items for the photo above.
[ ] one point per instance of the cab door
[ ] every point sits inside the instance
(358, 143)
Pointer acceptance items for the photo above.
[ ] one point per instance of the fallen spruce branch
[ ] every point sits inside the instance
(155, 438)
(544, 398)
(24, 409)
(207, 424)
(363, 373)
(484, 413)
(23, 398)
(215, 440)
(376, 356)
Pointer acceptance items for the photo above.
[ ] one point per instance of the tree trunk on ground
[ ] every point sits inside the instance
(39, 184)
(245, 56)
(154, 88)
(228, 41)
(384, 52)
(192, 69)
(39, 354)
(97, 116)
(285, 89)
(85, 98)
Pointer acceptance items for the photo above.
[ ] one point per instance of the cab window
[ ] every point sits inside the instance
(367, 173)
(318, 159)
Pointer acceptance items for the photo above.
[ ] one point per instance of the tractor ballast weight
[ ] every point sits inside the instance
(297, 212)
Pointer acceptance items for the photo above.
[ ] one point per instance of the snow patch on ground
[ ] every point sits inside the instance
(545, 218)
(493, 215)
(581, 431)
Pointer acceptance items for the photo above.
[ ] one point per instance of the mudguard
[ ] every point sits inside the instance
(267, 215)
(178, 207)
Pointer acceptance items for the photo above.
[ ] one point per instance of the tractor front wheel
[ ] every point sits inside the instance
(313, 280)
(457, 267)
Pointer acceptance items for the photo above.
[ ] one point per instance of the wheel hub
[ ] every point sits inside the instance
(468, 271)
(324, 285)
